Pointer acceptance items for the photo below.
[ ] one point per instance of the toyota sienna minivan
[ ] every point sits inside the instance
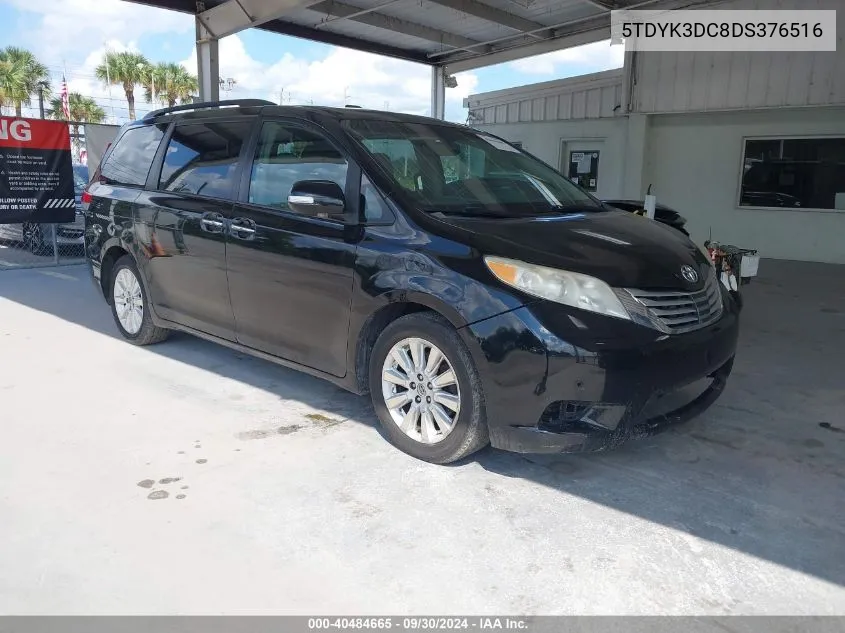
(473, 291)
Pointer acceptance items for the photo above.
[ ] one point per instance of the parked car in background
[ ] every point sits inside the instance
(477, 295)
(38, 238)
(662, 213)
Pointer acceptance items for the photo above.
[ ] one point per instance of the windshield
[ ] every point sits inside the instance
(80, 178)
(453, 170)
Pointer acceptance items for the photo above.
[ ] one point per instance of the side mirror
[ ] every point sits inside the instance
(317, 198)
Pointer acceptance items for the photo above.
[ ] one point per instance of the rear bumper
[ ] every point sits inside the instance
(560, 380)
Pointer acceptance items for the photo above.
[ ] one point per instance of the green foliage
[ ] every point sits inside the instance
(82, 109)
(172, 84)
(20, 76)
(126, 69)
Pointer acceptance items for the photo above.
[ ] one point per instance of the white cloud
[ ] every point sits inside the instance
(65, 27)
(593, 57)
(343, 76)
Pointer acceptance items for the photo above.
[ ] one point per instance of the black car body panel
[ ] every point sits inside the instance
(540, 355)
(313, 293)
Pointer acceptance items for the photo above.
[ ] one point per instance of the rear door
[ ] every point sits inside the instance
(182, 223)
(290, 276)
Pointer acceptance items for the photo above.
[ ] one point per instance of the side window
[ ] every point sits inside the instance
(202, 158)
(374, 207)
(131, 158)
(286, 154)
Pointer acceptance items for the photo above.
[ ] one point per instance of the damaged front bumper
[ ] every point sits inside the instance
(557, 380)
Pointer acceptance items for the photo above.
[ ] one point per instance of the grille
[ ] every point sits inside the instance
(675, 312)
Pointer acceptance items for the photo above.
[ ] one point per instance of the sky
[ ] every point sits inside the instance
(71, 36)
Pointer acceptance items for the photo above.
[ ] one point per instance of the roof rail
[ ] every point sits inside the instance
(203, 105)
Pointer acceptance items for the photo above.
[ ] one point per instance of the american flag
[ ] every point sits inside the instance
(65, 99)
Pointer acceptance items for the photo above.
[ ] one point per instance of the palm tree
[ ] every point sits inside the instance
(125, 69)
(20, 74)
(172, 83)
(82, 110)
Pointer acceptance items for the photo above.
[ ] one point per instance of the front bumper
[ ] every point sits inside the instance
(561, 380)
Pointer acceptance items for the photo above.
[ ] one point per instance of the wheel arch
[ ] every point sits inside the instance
(398, 305)
(112, 252)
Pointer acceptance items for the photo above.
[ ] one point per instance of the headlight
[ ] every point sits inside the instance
(561, 286)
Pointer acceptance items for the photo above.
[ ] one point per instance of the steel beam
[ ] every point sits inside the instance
(438, 92)
(397, 25)
(491, 14)
(208, 64)
(236, 15)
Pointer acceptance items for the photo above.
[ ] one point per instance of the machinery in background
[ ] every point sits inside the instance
(735, 266)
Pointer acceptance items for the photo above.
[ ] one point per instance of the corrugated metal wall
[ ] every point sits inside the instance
(588, 97)
(700, 82)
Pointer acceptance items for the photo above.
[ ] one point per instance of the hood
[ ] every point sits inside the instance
(622, 249)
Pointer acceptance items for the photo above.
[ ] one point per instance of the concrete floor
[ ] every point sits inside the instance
(739, 512)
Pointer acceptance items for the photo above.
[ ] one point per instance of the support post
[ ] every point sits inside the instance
(55, 242)
(438, 92)
(208, 64)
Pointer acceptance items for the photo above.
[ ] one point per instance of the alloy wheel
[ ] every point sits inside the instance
(421, 390)
(128, 301)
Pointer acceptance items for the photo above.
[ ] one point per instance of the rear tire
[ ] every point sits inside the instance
(435, 431)
(130, 306)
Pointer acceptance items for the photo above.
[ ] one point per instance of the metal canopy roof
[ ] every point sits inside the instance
(460, 34)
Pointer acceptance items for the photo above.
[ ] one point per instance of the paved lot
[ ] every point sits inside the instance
(293, 503)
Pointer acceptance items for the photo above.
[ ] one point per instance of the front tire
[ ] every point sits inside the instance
(439, 418)
(130, 306)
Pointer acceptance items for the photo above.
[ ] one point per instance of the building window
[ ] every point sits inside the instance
(797, 173)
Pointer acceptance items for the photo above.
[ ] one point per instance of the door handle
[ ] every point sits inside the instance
(242, 228)
(212, 223)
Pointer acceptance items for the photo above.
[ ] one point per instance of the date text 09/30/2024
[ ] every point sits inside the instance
(417, 624)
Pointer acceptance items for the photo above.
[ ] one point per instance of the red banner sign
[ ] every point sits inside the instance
(36, 172)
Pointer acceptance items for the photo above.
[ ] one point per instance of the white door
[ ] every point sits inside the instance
(581, 162)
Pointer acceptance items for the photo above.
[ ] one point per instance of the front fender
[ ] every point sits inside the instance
(460, 299)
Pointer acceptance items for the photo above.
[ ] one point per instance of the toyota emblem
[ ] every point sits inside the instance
(688, 273)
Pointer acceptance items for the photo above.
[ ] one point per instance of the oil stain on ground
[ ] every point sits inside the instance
(322, 421)
(261, 434)
(315, 419)
(161, 494)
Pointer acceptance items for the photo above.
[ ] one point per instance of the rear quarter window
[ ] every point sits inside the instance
(132, 156)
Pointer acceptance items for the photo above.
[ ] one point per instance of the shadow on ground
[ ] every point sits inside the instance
(762, 472)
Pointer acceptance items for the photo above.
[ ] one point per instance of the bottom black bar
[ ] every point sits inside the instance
(407, 624)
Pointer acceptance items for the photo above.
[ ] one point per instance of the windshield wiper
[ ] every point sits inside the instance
(472, 210)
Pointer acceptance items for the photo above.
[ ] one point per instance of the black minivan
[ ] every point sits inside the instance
(477, 294)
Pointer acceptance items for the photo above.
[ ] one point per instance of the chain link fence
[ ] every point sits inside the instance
(31, 245)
